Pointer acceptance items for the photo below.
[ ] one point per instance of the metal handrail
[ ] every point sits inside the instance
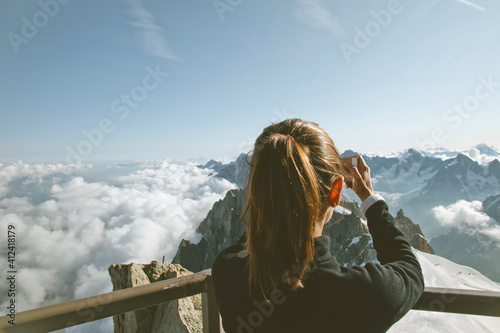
(63, 315)
(464, 301)
(58, 316)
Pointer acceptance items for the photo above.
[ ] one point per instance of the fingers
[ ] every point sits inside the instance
(361, 163)
(361, 182)
(355, 174)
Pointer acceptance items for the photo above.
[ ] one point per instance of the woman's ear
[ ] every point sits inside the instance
(336, 191)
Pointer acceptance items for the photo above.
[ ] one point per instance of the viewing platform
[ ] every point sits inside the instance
(63, 315)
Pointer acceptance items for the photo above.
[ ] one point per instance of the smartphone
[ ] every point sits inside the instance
(350, 161)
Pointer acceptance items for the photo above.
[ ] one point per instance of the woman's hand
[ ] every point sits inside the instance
(361, 181)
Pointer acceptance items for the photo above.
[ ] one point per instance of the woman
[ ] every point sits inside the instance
(283, 278)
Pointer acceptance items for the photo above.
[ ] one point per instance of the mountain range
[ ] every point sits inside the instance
(414, 182)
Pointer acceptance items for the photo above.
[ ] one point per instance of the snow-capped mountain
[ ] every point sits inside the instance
(486, 150)
(440, 183)
(480, 153)
(413, 174)
(415, 181)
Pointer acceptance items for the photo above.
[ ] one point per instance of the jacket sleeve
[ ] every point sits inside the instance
(397, 282)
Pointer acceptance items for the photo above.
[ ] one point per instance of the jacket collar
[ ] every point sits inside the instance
(322, 248)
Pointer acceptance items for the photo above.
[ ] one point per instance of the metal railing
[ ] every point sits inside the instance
(474, 302)
(63, 315)
(88, 309)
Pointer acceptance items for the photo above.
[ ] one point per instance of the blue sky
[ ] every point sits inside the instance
(122, 80)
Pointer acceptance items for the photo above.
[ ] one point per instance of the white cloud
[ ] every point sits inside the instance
(469, 217)
(35, 172)
(476, 155)
(316, 14)
(471, 4)
(149, 33)
(66, 243)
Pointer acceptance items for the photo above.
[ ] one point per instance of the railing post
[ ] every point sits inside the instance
(210, 310)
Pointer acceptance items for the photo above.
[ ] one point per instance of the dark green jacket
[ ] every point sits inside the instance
(335, 298)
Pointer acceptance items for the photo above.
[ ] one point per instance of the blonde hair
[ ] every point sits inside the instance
(293, 165)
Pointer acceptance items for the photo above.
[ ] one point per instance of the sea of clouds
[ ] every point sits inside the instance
(73, 221)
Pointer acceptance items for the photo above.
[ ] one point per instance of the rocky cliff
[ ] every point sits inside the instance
(413, 233)
(237, 172)
(351, 242)
(491, 207)
(180, 316)
(220, 229)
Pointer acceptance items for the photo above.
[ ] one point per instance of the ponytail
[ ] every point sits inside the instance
(287, 189)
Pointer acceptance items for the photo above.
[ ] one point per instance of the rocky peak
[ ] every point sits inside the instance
(410, 158)
(237, 172)
(378, 164)
(348, 153)
(491, 206)
(213, 165)
(219, 230)
(465, 163)
(486, 150)
(414, 156)
(494, 169)
(350, 242)
(412, 232)
(181, 315)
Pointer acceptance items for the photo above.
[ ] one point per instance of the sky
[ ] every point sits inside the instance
(89, 81)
